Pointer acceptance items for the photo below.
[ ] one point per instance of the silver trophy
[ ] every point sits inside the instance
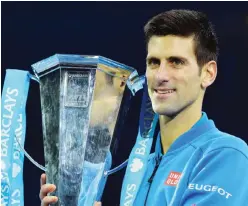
(82, 100)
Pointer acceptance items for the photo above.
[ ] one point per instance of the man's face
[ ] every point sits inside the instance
(173, 74)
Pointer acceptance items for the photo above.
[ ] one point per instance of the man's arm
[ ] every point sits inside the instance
(220, 178)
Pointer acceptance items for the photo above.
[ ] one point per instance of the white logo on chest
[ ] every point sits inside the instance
(209, 188)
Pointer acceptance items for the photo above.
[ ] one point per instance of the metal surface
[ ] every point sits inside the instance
(82, 106)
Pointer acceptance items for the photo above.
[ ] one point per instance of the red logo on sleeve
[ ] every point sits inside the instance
(173, 178)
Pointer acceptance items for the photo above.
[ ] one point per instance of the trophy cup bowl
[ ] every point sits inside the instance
(83, 102)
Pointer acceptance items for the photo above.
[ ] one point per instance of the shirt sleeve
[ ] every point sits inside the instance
(220, 178)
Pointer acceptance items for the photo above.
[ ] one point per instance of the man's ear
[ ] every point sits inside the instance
(208, 74)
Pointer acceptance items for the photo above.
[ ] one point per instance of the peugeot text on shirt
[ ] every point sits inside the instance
(209, 188)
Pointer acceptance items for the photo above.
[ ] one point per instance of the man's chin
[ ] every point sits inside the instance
(165, 111)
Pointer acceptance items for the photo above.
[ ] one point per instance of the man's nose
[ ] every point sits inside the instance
(162, 74)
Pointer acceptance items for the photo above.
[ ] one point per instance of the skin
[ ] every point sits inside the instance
(47, 188)
(172, 65)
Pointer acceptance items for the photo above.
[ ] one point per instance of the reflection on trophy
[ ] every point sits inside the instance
(82, 102)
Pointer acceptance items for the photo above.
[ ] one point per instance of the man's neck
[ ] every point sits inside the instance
(172, 128)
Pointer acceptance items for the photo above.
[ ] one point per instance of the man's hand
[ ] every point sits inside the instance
(48, 188)
(44, 190)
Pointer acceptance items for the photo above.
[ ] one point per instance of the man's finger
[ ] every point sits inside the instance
(45, 189)
(49, 200)
(43, 179)
(98, 204)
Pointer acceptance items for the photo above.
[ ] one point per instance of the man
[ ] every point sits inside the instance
(194, 163)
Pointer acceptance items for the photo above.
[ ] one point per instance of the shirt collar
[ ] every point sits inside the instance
(201, 126)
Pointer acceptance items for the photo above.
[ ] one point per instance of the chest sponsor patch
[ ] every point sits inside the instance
(209, 188)
(173, 178)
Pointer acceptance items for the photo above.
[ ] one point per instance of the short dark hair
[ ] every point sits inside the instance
(186, 23)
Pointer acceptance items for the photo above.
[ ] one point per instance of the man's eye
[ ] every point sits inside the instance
(177, 62)
(152, 62)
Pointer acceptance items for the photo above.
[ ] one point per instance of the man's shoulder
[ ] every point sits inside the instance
(219, 140)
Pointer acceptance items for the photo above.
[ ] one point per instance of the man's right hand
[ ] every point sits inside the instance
(44, 190)
(48, 188)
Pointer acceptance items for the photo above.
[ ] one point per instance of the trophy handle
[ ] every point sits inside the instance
(135, 82)
(29, 157)
(36, 78)
(116, 169)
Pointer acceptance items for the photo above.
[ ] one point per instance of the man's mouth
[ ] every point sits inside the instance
(164, 91)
